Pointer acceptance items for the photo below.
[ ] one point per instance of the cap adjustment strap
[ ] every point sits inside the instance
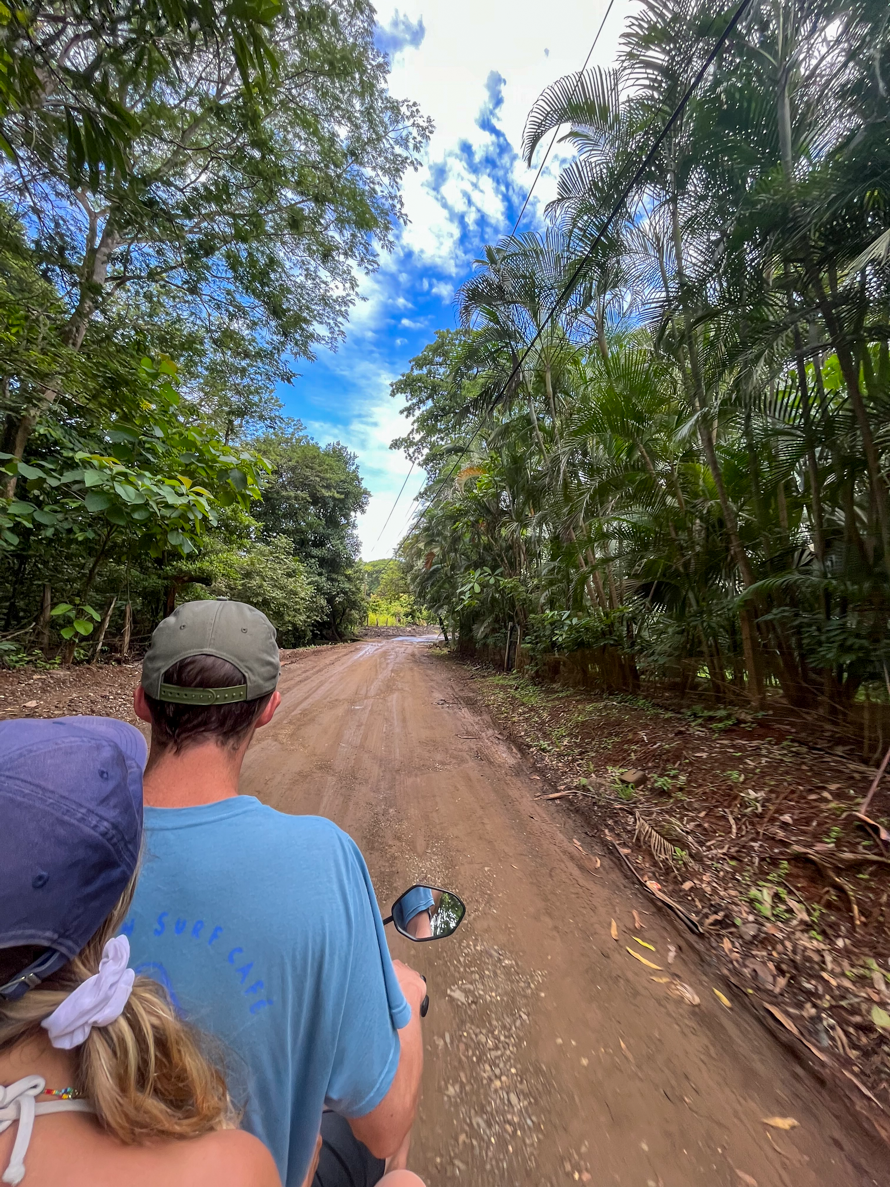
(203, 696)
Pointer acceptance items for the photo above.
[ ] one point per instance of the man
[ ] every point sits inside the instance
(264, 926)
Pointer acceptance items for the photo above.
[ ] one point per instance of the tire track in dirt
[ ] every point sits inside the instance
(552, 1056)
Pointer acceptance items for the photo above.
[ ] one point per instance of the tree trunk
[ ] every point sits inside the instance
(103, 627)
(750, 642)
(94, 273)
(43, 619)
(128, 630)
(97, 561)
(177, 583)
(816, 510)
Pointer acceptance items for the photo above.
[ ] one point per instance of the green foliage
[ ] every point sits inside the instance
(78, 620)
(190, 195)
(312, 497)
(675, 467)
(154, 480)
(121, 38)
(271, 578)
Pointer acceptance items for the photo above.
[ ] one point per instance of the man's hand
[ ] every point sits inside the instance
(386, 1128)
(412, 985)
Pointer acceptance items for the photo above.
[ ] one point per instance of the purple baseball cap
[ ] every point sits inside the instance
(70, 833)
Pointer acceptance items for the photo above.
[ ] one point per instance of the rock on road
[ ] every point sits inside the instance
(552, 1056)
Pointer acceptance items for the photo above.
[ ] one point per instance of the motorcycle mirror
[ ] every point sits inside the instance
(427, 913)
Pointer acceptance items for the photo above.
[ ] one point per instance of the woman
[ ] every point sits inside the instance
(100, 1082)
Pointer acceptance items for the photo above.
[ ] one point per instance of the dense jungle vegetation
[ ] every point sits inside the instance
(189, 192)
(681, 477)
(388, 595)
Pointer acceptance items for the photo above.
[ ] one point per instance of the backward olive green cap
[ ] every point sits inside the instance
(232, 631)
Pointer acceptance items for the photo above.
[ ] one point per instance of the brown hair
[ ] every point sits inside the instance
(145, 1073)
(178, 726)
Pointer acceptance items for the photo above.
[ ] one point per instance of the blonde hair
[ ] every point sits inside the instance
(146, 1074)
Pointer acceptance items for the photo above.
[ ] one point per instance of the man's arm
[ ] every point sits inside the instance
(385, 1128)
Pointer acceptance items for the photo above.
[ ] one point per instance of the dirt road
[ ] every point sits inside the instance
(553, 1056)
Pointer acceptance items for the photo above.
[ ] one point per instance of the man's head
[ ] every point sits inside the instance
(210, 675)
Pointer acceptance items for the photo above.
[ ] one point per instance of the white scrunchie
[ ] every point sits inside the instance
(97, 1002)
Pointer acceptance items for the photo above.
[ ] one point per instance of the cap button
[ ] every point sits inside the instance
(40, 879)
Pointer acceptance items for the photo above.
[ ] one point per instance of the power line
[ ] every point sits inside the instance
(556, 129)
(525, 203)
(395, 504)
(641, 169)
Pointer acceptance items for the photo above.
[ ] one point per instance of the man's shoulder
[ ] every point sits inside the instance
(242, 816)
(252, 836)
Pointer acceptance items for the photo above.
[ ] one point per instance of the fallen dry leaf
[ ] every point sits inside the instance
(781, 1122)
(683, 991)
(637, 921)
(598, 862)
(746, 1179)
(643, 960)
(688, 885)
(672, 953)
(614, 930)
(578, 844)
(723, 999)
(727, 946)
(661, 980)
(783, 1018)
(30, 705)
(643, 943)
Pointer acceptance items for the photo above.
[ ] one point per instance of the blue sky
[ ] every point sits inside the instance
(476, 67)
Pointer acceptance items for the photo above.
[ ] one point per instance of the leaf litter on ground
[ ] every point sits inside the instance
(781, 892)
(643, 960)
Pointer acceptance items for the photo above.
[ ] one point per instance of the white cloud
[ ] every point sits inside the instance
(464, 43)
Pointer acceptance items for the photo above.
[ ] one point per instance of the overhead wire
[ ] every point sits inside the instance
(556, 130)
(619, 203)
(395, 504)
(523, 210)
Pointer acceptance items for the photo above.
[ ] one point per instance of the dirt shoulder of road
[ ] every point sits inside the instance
(753, 838)
(105, 690)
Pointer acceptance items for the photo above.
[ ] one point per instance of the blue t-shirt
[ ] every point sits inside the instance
(265, 929)
(411, 903)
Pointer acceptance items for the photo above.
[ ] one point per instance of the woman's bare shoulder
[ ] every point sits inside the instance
(228, 1158)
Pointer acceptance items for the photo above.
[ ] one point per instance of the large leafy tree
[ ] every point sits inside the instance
(260, 176)
(312, 497)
